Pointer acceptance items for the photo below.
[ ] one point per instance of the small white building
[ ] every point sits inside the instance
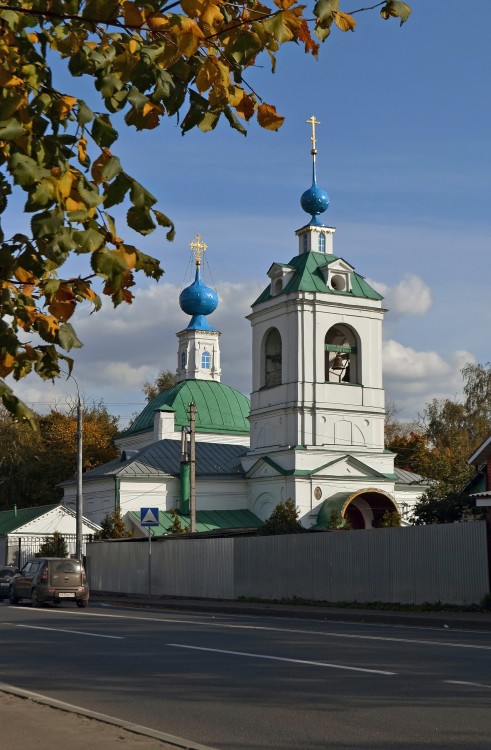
(315, 429)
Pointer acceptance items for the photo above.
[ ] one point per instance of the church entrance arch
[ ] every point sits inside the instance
(365, 509)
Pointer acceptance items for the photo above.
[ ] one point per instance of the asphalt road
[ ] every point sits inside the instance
(241, 683)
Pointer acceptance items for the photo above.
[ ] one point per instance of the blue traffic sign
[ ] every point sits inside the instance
(149, 517)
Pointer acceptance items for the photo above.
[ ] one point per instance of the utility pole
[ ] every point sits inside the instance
(192, 466)
(79, 507)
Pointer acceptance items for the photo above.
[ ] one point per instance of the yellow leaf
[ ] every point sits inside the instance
(65, 105)
(218, 95)
(99, 163)
(133, 46)
(7, 80)
(188, 42)
(72, 205)
(82, 150)
(212, 15)
(33, 38)
(245, 108)
(65, 184)
(268, 117)
(133, 16)
(208, 74)
(344, 21)
(63, 304)
(22, 275)
(7, 363)
(48, 324)
(157, 21)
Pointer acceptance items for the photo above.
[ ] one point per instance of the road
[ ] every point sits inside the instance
(243, 683)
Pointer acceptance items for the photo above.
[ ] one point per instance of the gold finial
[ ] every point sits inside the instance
(198, 247)
(312, 121)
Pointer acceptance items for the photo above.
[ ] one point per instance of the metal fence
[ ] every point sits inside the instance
(412, 565)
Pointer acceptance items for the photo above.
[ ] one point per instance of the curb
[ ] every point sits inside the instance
(120, 723)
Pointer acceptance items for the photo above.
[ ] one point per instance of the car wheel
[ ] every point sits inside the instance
(13, 598)
(35, 598)
(82, 602)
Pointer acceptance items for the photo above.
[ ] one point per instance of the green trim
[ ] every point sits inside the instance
(185, 489)
(117, 491)
(206, 520)
(340, 349)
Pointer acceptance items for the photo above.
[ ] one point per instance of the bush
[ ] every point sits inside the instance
(283, 520)
(53, 546)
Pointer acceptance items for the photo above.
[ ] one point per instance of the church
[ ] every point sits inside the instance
(313, 430)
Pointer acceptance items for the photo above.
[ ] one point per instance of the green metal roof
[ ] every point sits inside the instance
(10, 520)
(219, 408)
(308, 277)
(206, 520)
(336, 502)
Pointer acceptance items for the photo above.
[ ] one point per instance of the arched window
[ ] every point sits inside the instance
(272, 358)
(205, 361)
(341, 356)
(304, 243)
(322, 242)
(183, 360)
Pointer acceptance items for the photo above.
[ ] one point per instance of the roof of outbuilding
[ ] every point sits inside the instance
(219, 408)
(206, 520)
(308, 277)
(163, 458)
(12, 519)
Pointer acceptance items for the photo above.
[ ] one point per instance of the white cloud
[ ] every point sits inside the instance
(412, 378)
(412, 296)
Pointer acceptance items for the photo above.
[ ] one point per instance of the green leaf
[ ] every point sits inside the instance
(67, 338)
(209, 122)
(25, 170)
(17, 408)
(164, 221)
(11, 129)
(103, 132)
(90, 195)
(84, 113)
(234, 121)
(108, 264)
(41, 196)
(116, 191)
(47, 223)
(140, 197)
(140, 220)
(397, 10)
(88, 240)
(110, 169)
(150, 266)
(323, 9)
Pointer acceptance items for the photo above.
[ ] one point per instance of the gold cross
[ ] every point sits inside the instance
(198, 247)
(313, 122)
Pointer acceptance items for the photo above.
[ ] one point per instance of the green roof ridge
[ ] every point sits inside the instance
(13, 519)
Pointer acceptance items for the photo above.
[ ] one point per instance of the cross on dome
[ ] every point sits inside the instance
(315, 200)
(198, 248)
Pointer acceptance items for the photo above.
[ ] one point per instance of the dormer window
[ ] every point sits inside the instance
(322, 242)
(305, 246)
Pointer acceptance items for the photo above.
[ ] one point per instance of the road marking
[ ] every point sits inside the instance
(61, 630)
(281, 658)
(268, 628)
(471, 684)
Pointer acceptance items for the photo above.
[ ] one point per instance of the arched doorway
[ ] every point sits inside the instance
(365, 508)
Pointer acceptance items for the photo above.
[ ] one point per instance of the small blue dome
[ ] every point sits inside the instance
(315, 200)
(198, 299)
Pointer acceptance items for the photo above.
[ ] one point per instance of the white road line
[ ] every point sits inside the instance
(281, 658)
(471, 684)
(61, 630)
(270, 628)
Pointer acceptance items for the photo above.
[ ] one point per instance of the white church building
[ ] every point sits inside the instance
(313, 431)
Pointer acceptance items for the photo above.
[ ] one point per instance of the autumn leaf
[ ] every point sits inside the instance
(65, 104)
(133, 16)
(344, 21)
(268, 118)
(62, 305)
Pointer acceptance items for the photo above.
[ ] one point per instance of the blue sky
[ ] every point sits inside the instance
(405, 155)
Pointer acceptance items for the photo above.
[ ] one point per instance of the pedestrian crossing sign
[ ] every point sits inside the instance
(149, 517)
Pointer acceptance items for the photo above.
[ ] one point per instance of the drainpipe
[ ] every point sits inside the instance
(184, 479)
(117, 493)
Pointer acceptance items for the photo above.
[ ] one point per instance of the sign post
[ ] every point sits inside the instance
(149, 517)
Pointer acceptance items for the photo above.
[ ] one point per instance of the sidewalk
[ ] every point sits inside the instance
(36, 723)
(454, 620)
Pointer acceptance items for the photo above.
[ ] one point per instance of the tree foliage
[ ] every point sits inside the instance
(283, 520)
(147, 59)
(33, 463)
(438, 448)
(53, 546)
(164, 380)
(113, 527)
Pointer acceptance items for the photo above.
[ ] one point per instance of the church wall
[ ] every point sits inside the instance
(98, 498)
(138, 442)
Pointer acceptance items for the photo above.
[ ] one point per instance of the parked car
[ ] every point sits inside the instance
(6, 575)
(50, 579)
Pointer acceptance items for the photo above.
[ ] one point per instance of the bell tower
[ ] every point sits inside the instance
(317, 350)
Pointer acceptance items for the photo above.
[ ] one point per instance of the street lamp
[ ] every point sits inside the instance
(79, 502)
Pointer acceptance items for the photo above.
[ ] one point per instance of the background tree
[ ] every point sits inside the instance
(164, 380)
(439, 446)
(113, 527)
(33, 463)
(147, 59)
(53, 546)
(283, 520)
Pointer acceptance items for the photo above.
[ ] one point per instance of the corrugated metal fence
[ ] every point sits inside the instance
(411, 565)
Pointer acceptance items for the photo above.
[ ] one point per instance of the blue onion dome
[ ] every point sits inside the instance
(198, 299)
(314, 201)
